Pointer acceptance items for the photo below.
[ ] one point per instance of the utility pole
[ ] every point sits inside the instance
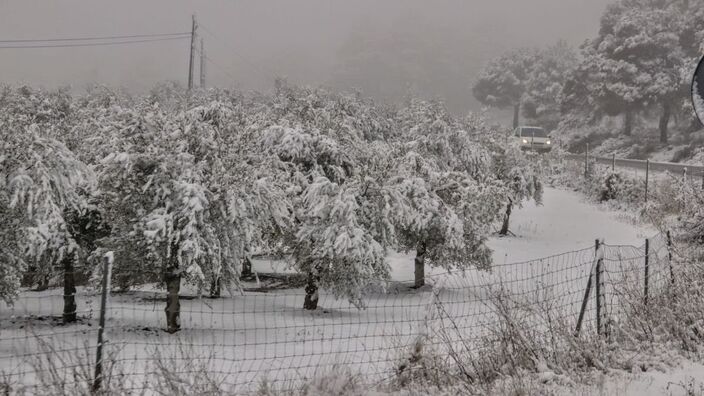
(202, 64)
(194, 26)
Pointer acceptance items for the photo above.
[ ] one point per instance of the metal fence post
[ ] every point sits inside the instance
(599, 290)
(669, 257)
(584, 305)
(647, 275)
(647, 172)
(107, 270)
(684, 186)
(586, 162)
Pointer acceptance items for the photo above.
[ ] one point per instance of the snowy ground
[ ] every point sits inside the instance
(686, 378)
(265, 332)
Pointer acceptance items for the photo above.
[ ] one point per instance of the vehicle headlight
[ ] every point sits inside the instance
(548, 142)
(525, 141)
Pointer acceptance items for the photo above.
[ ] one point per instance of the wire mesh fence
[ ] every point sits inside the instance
(263, 332)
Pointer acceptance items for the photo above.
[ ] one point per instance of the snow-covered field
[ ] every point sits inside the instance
(266, 333)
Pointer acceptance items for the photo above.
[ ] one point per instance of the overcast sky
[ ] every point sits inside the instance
(308, 41)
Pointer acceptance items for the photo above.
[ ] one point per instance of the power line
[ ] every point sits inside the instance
(94, 38)
(99, 44)
(222, 69)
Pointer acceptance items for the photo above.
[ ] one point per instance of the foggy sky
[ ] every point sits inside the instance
(307, 41)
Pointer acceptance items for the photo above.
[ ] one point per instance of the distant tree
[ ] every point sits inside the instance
(543, 95)
(601, 86)
(634, 63)
(504, 80)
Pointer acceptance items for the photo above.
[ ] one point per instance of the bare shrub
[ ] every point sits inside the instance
(70, 372)
(340, 380)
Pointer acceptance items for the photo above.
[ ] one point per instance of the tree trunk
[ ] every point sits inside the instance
(628, 123)
(311, 301)
(516, 113)
(246, 268)
(69, 315)
(664, 120)
(420, 265)
(215, 287)
(173, 305)
(42, 281)
(507, 215)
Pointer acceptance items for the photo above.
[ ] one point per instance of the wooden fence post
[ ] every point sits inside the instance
(586, 162)
(107, 269)
(647, 172)
(599, 290)
(583, 309)
(647, 275)
(585, 300)
(669, 257)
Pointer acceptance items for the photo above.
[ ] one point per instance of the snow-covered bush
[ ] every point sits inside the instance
(690, 223)
(616, 186)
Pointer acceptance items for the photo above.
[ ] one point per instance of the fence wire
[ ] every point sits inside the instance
(263, 334)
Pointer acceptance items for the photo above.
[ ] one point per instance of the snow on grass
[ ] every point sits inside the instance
(686, 379)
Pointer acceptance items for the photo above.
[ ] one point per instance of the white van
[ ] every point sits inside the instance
(533, 139)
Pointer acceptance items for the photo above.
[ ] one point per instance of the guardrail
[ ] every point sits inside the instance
(686, 170)
(671, 167)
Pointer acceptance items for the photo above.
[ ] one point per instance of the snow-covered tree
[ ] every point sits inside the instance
(40, 184)
(503, 81)
(543, 93)
(447, 181)
(521, 178)
(329, 150)
(343, 235)
(637, 61)
(58, 185)
(183, 200)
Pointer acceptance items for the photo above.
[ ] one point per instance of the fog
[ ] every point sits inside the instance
(384, 48)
